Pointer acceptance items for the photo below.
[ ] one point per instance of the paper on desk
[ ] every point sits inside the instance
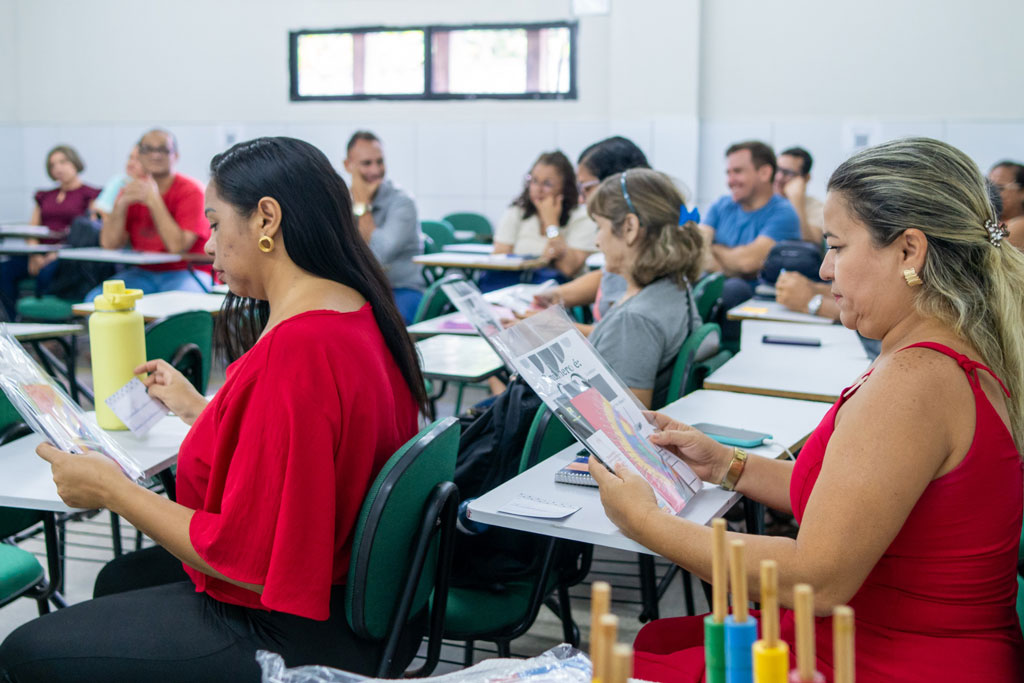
(530, 506)
(754, 310)
(135, 407)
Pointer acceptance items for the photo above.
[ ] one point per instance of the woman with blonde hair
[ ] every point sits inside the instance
(910, 492)
(651, 240)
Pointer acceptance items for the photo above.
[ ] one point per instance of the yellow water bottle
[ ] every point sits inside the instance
(117, 340)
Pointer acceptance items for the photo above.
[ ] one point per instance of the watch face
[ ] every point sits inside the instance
(358, 209)
(552, 232)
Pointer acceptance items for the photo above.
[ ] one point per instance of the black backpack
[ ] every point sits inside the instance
(74, 279)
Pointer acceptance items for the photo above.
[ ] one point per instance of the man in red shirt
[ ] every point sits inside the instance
(163, 211)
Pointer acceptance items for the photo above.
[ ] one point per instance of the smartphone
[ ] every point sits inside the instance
(731, 436)
(792, 341)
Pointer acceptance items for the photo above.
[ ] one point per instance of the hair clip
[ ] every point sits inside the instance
(625, 194)
(996, 232)
(687, 216)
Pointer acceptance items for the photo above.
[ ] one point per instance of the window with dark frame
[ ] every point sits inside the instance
(493, 61)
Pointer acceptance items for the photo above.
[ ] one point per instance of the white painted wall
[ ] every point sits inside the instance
(683, 78)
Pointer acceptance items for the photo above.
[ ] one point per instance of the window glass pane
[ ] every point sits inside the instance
(554, 60)
(393, 63)
(325, 64)
(486, 61)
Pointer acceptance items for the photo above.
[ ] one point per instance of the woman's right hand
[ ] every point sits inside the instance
(705, 456)
(547, 298)
(169, 386)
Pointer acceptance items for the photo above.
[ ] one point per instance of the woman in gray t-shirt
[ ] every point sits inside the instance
(637, 214)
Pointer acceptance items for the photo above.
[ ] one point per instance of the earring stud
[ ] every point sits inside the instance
(912, 278)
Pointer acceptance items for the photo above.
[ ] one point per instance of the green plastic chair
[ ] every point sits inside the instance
(699, 356)
(708, 295)
(473, 222)
(502, 616)
(401, 552)
(185, 340)
(435, 302)
(21, 575)
(46, 308)
(440, 232)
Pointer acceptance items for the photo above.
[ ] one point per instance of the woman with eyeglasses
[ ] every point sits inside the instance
(639, 232)
(547, 220)
(601, 288)
(1008, 179)
(55, 209)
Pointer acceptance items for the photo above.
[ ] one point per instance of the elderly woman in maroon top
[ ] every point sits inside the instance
(55, 209)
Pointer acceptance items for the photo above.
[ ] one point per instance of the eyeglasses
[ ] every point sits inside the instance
(584, 187)
(146, 149)
(546, 184)
(1006, 186)
(786, 173)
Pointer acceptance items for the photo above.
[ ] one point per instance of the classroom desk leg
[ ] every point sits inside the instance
(754, 513)
(648, 589)
(54, 562)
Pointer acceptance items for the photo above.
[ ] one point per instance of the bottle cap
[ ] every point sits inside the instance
(116, 298)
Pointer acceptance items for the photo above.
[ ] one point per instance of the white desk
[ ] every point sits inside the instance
(789, 421)
(456, 323)
(38, 331)
(803, 372)
(480, 261)
(27, 482)
(457, 358)
(467, 248)
(755, 309)
(126, 256)
(595, 260)
(29, 231)
(22, 249)
(156, 306)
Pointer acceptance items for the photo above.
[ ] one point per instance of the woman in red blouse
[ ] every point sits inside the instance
(324, 387)
(55, 209)
(910, 492)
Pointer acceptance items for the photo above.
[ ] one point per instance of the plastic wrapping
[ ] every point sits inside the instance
(561, 664)
(50, 412)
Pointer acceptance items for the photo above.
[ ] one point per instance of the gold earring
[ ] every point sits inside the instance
(910, 275)
(266, 244)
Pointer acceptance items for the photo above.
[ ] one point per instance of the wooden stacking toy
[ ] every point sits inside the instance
(842, 644)
(600, 602)
(740, 627)
(714, 623)
(805, 671)
(771, 654)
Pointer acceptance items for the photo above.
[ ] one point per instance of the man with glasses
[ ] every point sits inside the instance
(791, 178)
(387, 219)
(161, 211)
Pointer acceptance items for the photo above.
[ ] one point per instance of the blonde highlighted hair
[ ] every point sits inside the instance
(666, 249)
(970, 285)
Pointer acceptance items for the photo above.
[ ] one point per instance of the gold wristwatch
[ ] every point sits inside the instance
(732, 477)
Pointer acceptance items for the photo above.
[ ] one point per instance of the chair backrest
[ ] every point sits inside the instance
(185, 340)
(467, 220)
(396, 559)
(13, 520)
(702, 344)
(547, 436)
(441, 232)
(434, 299)
(708, 293)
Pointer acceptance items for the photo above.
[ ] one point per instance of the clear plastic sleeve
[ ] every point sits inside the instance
(561, 664)
(48, 410)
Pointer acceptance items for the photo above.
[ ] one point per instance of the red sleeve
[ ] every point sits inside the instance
(272, 523)
(188, 209)
(39, 198)
(91, 193)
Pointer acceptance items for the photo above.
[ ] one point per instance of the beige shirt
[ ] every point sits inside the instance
(528, 237)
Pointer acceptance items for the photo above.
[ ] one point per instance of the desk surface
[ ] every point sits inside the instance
(458, 358)
(803, 372)
(755, 309)
(790, 422)
(456, 323)
(19, 248)
(156, 306)
(29, 231)
(36, 331)
(28, 483)
(480, 261)
(100, 255)
(468, 248)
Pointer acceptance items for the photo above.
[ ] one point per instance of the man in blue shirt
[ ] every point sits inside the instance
(743, 226)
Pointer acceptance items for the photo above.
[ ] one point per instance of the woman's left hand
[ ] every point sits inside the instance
(627, 497)
(84, 480)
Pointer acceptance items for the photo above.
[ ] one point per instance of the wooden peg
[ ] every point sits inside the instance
(739, 582)
(719, 572)
(842, 644)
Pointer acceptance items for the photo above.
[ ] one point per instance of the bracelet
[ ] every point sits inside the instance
(732, 476)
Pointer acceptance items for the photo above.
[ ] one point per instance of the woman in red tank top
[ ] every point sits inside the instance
(910, 492)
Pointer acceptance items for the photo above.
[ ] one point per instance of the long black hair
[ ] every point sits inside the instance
(612, 155)
(318, 231)
(569, 191)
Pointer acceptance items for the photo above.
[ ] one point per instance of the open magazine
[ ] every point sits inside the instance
(50, 412)
(478, 311)
(571, 378)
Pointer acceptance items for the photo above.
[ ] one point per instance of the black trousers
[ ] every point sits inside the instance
(147, 623)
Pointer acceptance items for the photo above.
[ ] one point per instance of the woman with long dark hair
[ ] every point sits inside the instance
(324, 388)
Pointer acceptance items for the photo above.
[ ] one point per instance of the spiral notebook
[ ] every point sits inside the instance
(576, 472)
